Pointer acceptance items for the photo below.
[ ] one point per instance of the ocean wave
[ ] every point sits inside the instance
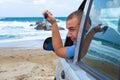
(6, 36)
(15, 23)
(14, 30)
(1, 18)
(30, 35)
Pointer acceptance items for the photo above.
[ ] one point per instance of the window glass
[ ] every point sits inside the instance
(104, 50)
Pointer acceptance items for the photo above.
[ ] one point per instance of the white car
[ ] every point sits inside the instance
(102, 61)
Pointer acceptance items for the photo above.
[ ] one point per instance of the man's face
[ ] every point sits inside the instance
(73, 27)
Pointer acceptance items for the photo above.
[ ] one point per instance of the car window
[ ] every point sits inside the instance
(104, 51)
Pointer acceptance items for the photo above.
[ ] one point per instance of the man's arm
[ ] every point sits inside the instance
(56, 38)
(57, 41)
(89, 37)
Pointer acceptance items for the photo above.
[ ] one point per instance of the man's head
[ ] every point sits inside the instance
(73, 24)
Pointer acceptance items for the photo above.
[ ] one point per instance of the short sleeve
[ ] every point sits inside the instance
(70, 51)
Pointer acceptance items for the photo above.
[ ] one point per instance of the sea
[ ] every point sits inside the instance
(17, 32)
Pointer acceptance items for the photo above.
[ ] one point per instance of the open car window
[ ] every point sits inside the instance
(104, 51)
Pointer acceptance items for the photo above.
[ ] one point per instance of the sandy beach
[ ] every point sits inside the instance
(37, 64)
(27, 64)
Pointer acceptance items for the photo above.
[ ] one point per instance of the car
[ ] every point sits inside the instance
(102, 60)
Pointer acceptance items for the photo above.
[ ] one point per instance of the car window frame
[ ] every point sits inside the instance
(82, 28)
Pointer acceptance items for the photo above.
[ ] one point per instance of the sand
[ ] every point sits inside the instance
(36, 64)
(27, 64)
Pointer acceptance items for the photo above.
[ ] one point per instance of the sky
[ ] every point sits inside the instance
(34, 8)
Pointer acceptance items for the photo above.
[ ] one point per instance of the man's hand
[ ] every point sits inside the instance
(98, 28)
(49, 17)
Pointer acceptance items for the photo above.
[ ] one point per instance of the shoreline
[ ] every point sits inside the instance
(37, 43)
(28, 64)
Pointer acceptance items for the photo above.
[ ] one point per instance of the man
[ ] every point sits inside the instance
(72, 24)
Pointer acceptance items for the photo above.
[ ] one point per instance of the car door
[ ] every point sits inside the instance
(102, 60)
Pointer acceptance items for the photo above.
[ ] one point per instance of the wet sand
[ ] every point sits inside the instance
(27, 64)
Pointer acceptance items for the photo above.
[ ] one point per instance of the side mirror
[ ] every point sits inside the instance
(47, 45)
